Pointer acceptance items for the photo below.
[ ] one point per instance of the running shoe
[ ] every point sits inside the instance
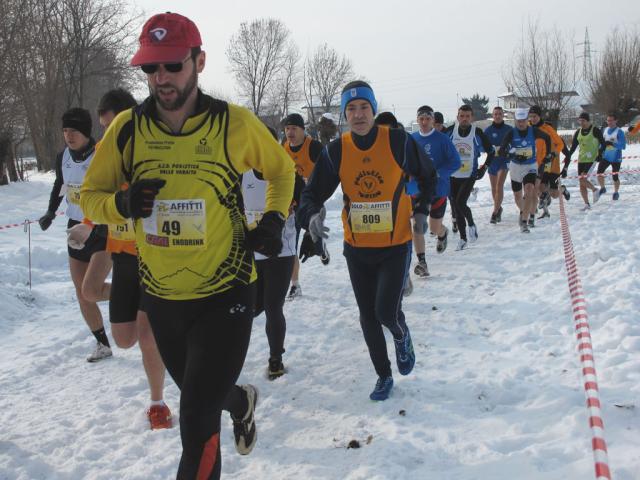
(454, 226)
(494, 218)
(472, 233)
(275, 368)
(545, 213)
(441, 246)
(382, 389)
(159, 417)
(294, 292)
(542, 200)
(421, 269)
(408, 287)
(462, 244)
(565, 193)
(532, 221)
(596, 196)
(585, 208)
(244, 429)
(101, 352)
(603, 190)
(499, 215)
(616, 196)
(524, 228)
(405, 356)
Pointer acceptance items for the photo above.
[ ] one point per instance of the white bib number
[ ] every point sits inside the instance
(371, 217)
(177, 224)
(73, 193)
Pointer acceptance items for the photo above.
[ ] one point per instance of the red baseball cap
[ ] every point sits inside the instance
(166, 38)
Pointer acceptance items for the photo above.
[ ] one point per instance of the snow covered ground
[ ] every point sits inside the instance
(496, 392)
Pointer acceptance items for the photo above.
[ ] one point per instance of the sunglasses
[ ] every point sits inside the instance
(169, 67)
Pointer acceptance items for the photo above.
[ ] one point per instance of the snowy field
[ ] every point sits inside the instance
(496, 392)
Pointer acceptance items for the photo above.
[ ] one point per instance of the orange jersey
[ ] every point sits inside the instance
(635, 130)
(302, 158)
(557, 144)
(377, 210)
(121, 238)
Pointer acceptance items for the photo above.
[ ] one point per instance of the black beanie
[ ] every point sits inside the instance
(386, 118)
(536, 110)
(585, 116)
(294, 119)
(78, 119)
(438, 117)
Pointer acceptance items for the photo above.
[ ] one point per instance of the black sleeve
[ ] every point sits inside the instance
(574, 143)
(323, 182)
(537, 133)
(314, 150)
(415, 162)
(298, 186)
(486, 145)
(598, 134)
(55, 199)
(506, 141)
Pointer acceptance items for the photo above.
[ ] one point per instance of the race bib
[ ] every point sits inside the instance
(371, 217)
(73, 193)
(526, 152)
(179, 224)
(122, 232)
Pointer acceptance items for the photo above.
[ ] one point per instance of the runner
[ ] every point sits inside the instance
(591, 143)
(615, 142)
(92, 260)
(273, 273)
(547, 182)
(370, 163)
(182, 153)
(520, 145)
(304, 151)
(129, 324)
(499, 165)
(446, 161)
(470, 142)
(438, 121)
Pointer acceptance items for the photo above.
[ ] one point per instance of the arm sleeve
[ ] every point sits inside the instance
(314, 150)
(506, 141)
(324, 180)
(105, 175)
(574, 143)
(622, 140)
(55, 198)
(419, 165)
(253, 146)
(486, 145)
(598, 134)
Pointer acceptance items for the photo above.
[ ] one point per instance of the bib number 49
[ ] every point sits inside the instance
(171, 228)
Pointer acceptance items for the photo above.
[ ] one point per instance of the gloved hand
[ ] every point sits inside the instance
(77, 235)
(309, 248)
(316, 225)
(548, 158)
(420, 223)
(563, 174)
(266, 238)
(481, 171)
(137, 200)
(46, 219)
(609, 144)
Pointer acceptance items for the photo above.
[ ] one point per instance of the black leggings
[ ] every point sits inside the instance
(378, 283)
(124, 301)
(203, 344)
(274, 275)
(615, 168)
(460, 191)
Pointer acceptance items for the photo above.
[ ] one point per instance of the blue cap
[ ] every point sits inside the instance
(358, 93)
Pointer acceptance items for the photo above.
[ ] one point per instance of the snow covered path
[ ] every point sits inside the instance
(496, 392)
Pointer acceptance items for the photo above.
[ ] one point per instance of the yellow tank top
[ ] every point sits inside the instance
(192, 245)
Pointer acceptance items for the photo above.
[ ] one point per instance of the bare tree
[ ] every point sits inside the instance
(615, 87)
(258, 54)
(328, 73)
(543, 69)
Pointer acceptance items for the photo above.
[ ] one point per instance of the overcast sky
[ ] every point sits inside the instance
(413, 53)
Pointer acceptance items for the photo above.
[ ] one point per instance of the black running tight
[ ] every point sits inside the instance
(460, 191)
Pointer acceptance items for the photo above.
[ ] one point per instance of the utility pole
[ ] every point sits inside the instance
(587, 66)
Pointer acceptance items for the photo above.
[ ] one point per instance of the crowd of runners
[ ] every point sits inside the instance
(202, 216)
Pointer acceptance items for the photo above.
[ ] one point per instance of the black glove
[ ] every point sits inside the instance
(46, 219)
(309, 248)
(137, 201)
(548, 158)
(266, 238)
(480, 172)
(563, 174)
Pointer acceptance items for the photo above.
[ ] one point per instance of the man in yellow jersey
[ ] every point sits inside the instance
(183, 153)
(371, 163)
(304, 151)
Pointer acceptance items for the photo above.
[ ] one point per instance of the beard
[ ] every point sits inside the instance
(181, 95)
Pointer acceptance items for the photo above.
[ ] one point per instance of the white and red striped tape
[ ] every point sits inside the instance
(585, 350)
(621, 172)
(22, 224)
(628, 157)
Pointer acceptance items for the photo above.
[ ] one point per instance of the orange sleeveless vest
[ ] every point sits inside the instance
(302, 158)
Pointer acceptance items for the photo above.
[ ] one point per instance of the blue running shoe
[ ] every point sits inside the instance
(616, 195)
(382, 389)
(405, 355)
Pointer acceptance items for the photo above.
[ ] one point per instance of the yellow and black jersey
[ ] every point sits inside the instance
(192, 245)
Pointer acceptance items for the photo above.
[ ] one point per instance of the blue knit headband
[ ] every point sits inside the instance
(358, 93)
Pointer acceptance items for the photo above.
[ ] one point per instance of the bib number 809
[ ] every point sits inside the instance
(171, 228)
(371, 219)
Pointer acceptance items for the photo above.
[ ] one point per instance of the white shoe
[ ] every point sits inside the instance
(294, 292)
(101, 352)
(596, 195)
(586, 207)
(462, 244)
(472, 233)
